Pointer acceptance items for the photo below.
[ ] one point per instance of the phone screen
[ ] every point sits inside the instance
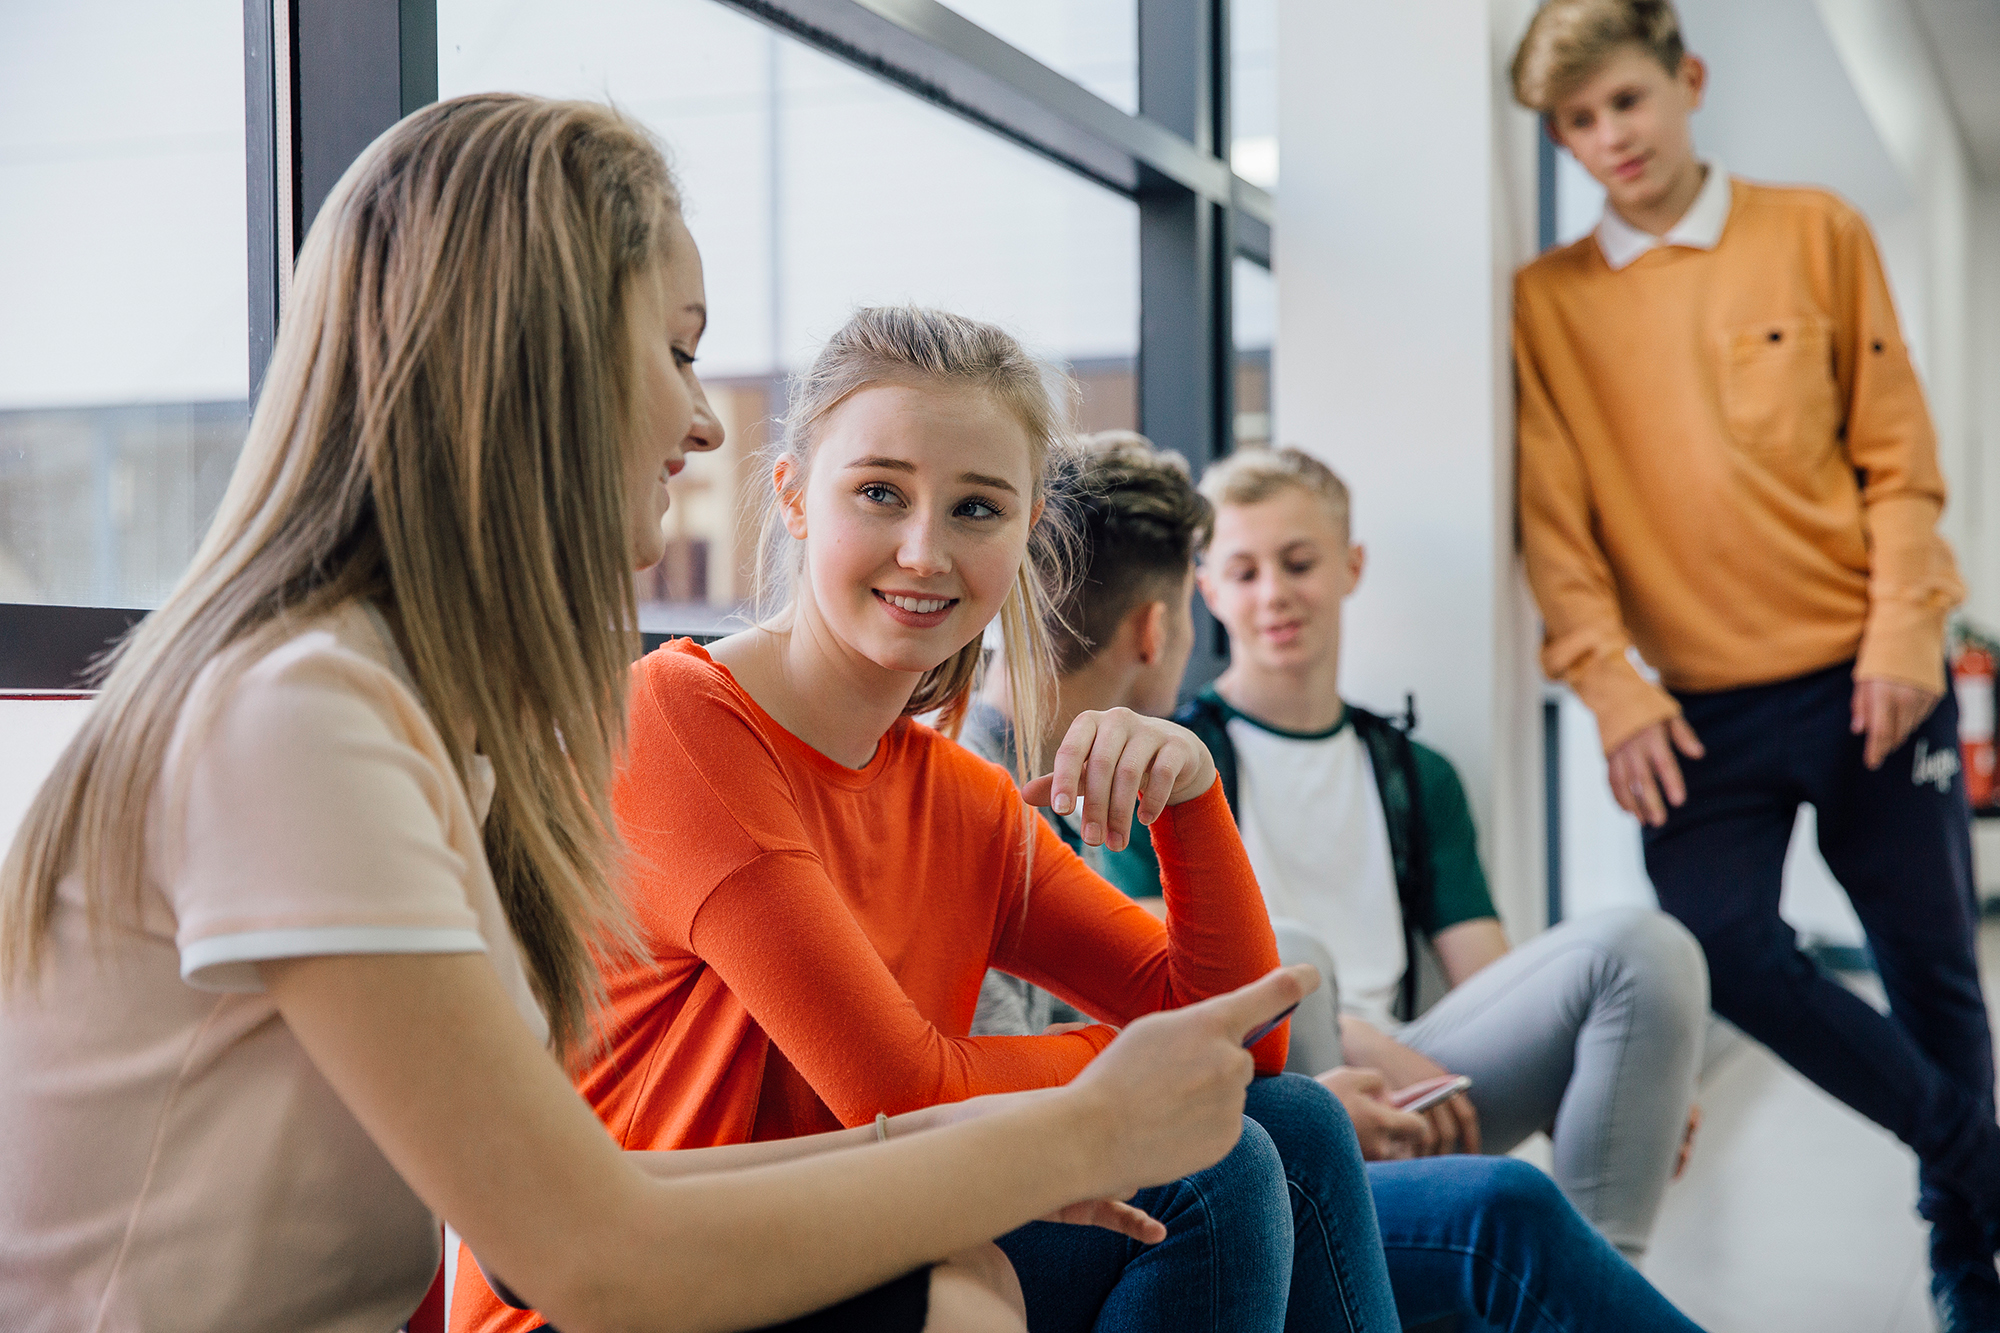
(1431, 1092)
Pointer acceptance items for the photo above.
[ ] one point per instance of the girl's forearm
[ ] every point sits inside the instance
(699, 1249)
(738, 1156)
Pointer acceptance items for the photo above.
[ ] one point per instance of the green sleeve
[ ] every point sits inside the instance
(1458, 882)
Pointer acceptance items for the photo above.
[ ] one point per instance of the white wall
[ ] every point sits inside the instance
(1406, 201)
(32, 736)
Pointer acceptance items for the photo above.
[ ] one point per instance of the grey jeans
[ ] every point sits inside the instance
(1592, 1031)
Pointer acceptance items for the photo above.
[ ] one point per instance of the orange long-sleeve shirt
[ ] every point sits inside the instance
(1726, 461)
(818, 933)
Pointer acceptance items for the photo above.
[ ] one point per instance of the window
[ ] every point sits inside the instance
(834, 154)
(123, 337)
(813, 188)
(1253, 91)
(1094, 42)
(1254, 297)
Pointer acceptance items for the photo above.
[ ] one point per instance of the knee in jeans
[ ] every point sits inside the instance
(1252, 1167)
(1514, 1192)
(1301, 1112)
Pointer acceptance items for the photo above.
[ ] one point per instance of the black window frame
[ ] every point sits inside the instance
(323, 77)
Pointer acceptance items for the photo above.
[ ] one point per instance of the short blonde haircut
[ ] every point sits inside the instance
(1569, 39)
(1251, 476)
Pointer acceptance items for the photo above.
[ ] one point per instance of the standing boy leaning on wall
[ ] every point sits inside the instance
(1726, 462)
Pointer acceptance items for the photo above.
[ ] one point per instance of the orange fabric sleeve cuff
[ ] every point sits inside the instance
(1624, 701)
(1215, 910)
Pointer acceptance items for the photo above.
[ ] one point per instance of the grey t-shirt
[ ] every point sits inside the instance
(1009, 1006)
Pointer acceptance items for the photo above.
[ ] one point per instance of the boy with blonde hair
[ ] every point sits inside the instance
(1726, 464)
(1363, 838)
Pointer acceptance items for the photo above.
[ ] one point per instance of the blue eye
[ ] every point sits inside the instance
(978, 509)
(879, 492)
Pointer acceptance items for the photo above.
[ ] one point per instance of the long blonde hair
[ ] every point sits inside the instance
(915, 346)
(442, 430)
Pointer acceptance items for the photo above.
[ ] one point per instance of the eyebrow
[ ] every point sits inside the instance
(904, 465)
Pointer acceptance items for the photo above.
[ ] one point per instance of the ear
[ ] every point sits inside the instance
(1693, 78)
(1149, 631)
(1035, 514)
(791, 498)
(1357, 561)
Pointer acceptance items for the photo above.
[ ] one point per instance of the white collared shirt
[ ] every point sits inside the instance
(1700, 227)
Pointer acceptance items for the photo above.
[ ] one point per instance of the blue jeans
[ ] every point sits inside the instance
(1228, 1263)
(1487, 1237)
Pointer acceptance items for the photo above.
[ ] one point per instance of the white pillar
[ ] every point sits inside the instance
(1405, 201)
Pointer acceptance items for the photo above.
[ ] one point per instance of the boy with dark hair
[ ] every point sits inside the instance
(1485, 1237)
(1726, 464)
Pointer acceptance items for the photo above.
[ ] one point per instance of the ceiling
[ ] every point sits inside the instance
(1965, 39)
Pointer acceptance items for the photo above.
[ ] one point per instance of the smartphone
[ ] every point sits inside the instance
(1419, 1097)
(1263, 1030)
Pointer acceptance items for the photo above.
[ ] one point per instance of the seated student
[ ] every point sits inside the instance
(827, 880)
(1591, 1030)
(801, 843)
(1123, 635)
(294, 936)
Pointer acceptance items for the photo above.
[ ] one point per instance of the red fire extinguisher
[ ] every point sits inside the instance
(1972, 681)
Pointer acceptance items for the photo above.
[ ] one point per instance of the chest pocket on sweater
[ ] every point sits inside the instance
(1778, 392)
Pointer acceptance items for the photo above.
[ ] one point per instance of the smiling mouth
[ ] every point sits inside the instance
(920, 612)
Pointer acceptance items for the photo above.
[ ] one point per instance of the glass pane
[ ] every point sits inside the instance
(1254, 312)
(1253, 91)
(124, 329)
(813, 188)
(1094, 42)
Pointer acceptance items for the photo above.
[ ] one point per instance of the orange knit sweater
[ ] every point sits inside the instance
(1726, 461)
(818, 933)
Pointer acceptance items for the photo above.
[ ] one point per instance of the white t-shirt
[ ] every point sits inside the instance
(1313, 824)
(169, 1157)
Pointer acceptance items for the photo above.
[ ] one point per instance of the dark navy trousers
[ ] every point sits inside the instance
(1899, 842)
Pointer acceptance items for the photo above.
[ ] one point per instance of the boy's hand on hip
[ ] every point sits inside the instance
(1111, 761)
(1645, 775)
(1886, 712)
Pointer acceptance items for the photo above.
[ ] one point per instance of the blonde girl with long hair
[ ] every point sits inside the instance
(822, 878)
(296, 935)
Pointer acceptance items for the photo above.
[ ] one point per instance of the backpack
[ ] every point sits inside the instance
(1394, 761)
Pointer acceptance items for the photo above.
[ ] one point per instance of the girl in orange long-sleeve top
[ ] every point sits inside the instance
(822, 880)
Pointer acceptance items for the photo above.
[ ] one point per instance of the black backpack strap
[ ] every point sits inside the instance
(1394, 760)
(1208, 718)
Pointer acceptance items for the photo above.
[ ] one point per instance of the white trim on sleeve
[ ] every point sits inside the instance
(228, 962)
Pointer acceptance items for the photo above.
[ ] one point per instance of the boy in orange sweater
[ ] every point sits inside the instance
(1727, 464)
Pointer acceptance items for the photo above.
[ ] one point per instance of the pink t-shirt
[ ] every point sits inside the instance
(169, 1157)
